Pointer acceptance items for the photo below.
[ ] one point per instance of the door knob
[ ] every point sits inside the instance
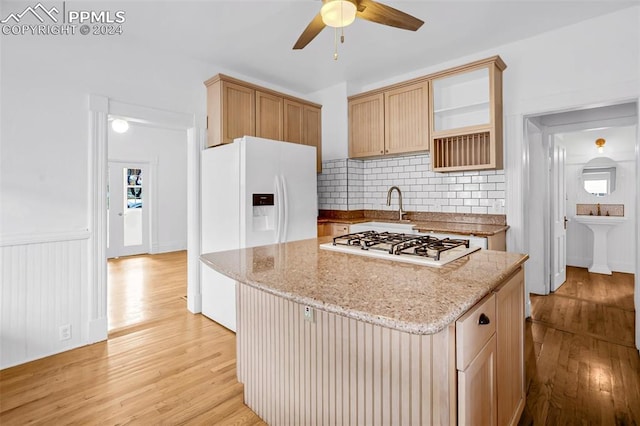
(565, 222)
(120, 214)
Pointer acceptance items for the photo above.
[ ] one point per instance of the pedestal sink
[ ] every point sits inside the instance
(600, 225)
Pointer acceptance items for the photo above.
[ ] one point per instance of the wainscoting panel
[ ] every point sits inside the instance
(44, 281)
(338, 371)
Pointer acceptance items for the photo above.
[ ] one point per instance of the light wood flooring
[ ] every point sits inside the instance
(164, 365)
(161, 364)
(582, 364)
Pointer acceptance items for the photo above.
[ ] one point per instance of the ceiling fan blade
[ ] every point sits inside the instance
(309, 33)
(387, 15)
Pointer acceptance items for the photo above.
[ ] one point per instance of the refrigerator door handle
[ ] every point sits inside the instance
(278, 209)
(285, 215)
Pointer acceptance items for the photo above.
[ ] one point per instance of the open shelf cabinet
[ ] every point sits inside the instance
(466, 121)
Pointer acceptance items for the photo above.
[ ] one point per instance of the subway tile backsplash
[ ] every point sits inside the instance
(363, 184)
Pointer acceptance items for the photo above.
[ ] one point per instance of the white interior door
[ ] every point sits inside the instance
(128, 209)
(558, 216)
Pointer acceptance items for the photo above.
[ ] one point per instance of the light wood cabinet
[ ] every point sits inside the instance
(332, 229)
(236, 108)
(490, 357)
(312, 131)
(466, 122)
(366, 126)
(230, 111)
(391, 122)
(456, 114)
(477, 397)
(302, 124)
(269, 116)
(510, 349)
(406, 119)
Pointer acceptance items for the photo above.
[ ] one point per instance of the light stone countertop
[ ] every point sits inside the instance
(411, 298)
(477, 229)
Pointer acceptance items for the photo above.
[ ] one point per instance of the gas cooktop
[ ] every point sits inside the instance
(412, 248)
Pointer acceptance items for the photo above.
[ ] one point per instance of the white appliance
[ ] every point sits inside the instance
(254, 192)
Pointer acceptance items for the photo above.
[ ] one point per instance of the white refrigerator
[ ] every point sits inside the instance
(254, 192)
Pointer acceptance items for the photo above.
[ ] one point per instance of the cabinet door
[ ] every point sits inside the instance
(477, 396)
(406, 124)
(510, 349)
(238, 111)
(269, 116)
(366, 126)
(293, 119)
(312, 131)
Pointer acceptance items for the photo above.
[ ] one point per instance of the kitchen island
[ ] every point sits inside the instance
(333, 338)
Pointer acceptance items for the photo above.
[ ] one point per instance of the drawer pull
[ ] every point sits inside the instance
(483, 320)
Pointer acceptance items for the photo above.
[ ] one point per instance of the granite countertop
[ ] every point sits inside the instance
(478, 229)
(481, 225)
(411, 298)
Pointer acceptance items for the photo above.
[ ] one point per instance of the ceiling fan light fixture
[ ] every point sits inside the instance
(338, 13)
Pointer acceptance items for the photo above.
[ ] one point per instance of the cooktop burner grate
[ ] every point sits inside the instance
(401, 244)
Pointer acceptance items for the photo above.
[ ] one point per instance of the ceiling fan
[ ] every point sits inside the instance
(340, 13)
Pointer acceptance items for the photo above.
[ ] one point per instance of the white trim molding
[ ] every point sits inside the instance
(97, 187)
(44, 237)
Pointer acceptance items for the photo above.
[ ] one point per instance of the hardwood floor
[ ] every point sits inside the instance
(164, 365)
(582, 364)
(145, 289)
(161, 364)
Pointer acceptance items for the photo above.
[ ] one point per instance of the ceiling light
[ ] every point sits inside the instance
(600, 144)
(338, 13)
(119, 126)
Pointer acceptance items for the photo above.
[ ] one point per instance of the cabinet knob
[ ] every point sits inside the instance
(381, 152)
(483, 320)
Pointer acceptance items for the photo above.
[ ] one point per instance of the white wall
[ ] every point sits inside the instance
(335, 124)
(620, 147)
(167, 150)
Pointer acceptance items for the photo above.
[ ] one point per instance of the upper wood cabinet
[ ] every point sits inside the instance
(394, 121)
(406, 119)
(312, 131)
(236, 108)
(269, 116)
(455, 114)
(366, 126)
(230, 111)
(293, 121)
(302, 124)
(466, 124)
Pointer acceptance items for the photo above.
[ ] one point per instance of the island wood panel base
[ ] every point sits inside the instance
(339, 371)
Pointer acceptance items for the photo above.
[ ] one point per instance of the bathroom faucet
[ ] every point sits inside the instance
(598, 206)
(400, 213)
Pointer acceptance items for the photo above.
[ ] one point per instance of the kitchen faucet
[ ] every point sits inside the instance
(400, 213)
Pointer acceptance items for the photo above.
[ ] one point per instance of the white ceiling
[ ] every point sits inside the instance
(255, 38)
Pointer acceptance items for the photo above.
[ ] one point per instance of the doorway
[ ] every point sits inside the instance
(128, 209)
(577, 130)
(101, 109)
